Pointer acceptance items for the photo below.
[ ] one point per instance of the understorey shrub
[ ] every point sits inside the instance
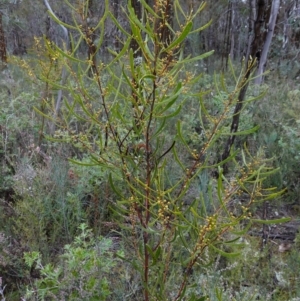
(81, 273)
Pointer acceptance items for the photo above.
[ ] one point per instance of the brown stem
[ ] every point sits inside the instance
(191, 264)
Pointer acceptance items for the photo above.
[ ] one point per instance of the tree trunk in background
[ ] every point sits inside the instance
(252, 18)
(227, 41)
(2, 43)
(232, 32)
(285, 29)
(268, 40)
(115, 4)
(136, 4)
(260, 8)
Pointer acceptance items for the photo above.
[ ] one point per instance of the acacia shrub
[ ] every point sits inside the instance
(170, 206)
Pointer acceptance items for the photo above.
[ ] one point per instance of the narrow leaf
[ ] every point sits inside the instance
(179, 132)
(197, 58)
(181, 37)
(272, 221)
(245, 132)
(173, 114)
(114, 188)
(225, 254)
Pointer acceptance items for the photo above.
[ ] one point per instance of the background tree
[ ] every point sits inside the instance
(267, 42)
(256, 41)
(3, 54)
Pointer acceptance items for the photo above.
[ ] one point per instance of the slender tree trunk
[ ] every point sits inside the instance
(267, 42)
(252, 18)
(115, 4)
(228, 28)
(255, 45)
(285, 30)
(232, 39)
(136, 4)
(297, 7)
(2, 43)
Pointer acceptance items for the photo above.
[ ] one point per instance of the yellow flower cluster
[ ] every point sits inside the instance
(210, 225)
(163, 210)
